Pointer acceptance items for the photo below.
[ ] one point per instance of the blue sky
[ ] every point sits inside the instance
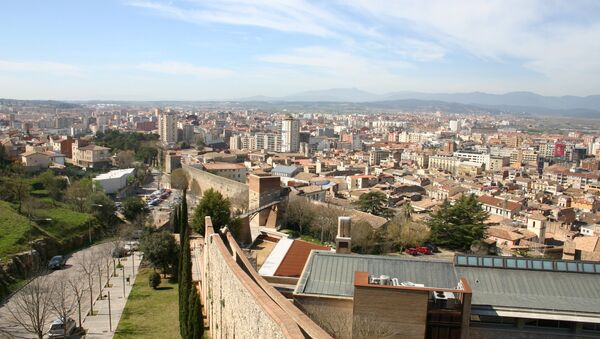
(199, 50)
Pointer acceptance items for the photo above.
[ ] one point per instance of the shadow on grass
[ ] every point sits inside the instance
(164, 288)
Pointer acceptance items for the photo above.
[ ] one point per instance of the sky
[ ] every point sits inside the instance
(214, 50)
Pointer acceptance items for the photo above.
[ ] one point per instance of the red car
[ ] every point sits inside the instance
(424, 250)
(412, 251)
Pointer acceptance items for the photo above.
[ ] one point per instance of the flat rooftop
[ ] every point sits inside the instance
(114, 174)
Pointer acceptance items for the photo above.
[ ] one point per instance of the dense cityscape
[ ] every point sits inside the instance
(300, 169)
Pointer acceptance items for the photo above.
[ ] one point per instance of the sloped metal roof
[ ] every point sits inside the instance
(331, 274)
(542, 290)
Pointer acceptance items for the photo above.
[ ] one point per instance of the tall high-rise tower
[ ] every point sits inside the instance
(167, 126)
(290, 135)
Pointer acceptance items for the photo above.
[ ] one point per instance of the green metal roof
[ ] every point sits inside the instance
(330, 274)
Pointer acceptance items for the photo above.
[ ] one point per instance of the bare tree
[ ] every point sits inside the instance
(87, 266)
(78, 287)
(62, 303)
(125, 159)
(30, 307)
(179, 179)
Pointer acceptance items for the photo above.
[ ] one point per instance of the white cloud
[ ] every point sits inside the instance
(40, 67)
(181, 68)
(556, 39)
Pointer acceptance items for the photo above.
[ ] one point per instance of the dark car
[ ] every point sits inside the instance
(432, 247)
(57, 262)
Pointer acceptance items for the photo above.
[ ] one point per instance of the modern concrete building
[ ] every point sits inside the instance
(114, 181)
(290, 135)
(167, 126)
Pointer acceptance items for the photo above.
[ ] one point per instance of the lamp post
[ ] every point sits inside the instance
(31, 220)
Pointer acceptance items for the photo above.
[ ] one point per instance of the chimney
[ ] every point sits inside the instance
(343, 243)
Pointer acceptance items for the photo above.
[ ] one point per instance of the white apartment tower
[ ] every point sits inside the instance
(167, 126)
(290, 135)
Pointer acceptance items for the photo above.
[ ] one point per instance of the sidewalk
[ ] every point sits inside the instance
(98, 325)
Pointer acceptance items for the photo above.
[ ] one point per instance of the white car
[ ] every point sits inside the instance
(57, 329)
(131, 246)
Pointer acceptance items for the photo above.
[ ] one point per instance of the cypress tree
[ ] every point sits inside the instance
(185, 282)
(176, 221)
(196, 323)
(183, 278)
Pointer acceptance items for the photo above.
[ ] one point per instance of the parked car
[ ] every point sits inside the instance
(412, 251)
(57, 262)
(432, 247)
(57, 328)
(424, 250)
(131, 246)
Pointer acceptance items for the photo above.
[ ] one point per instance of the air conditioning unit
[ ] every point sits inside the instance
(444, 299)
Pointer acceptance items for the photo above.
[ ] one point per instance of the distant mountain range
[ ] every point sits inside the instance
(526, 102)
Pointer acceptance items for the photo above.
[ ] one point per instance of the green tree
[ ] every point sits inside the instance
(102, 207)
(133, 207)
(77, 195)
(195, 322)
(212, 204)
(374, 202)
(185, 272)
(4, 161)
(160, 249)
(53, 184)
(458, 226)
(146, 154)
(154, 280)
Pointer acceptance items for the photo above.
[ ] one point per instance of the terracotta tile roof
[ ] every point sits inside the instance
(297, 255)
(500, 203)
(507, 233)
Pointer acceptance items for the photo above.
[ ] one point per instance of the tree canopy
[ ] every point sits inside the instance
(375, 203)
(458, 226)
(212, 204)
(132, 207)
(160, 249)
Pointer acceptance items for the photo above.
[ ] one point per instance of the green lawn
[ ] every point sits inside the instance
(14, 231)
(150, 313)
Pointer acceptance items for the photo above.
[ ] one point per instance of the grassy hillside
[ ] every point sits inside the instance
(65, 223)
(14, 229)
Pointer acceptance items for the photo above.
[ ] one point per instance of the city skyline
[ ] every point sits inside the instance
(191, 50)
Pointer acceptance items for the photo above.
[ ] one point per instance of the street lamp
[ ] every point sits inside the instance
(31, 220)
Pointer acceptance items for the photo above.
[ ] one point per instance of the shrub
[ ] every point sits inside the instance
(154, 280)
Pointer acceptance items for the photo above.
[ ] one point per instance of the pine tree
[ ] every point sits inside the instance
(458, 226)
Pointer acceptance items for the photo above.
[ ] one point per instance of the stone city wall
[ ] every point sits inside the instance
(201, 181)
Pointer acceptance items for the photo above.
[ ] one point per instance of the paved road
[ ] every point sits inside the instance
(71, 270)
